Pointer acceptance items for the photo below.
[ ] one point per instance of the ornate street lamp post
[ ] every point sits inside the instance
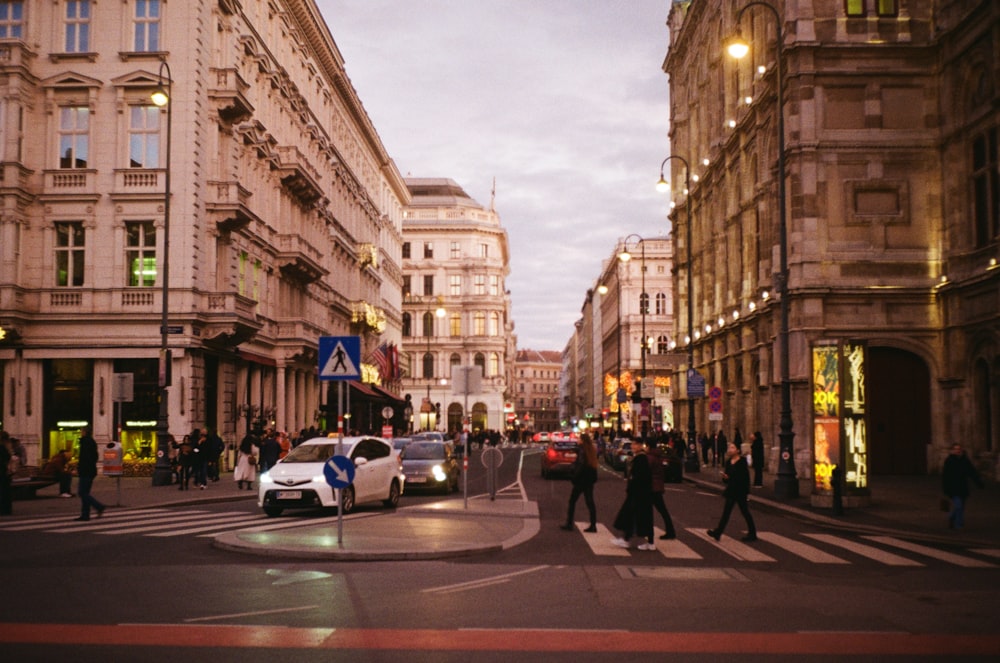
(691, 463)
(625, 256)
(428, 332)
(786, 484)
(162, 476)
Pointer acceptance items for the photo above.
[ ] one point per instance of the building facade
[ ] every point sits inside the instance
(458, 340)
(890, 164)
(538, 376)
(282, 208)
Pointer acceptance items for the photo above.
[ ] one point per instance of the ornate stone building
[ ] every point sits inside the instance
(892, 218)
(284, 216)
(456, 309)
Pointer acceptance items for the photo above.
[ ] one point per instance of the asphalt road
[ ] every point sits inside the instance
(558, 597)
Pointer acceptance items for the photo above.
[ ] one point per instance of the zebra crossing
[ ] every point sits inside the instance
(818, 548)
(165, 523)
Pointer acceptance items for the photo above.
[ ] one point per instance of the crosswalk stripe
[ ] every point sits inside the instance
(600, 541)
(220, 520)
(673, 548)
(42, 523)
(989, 552)
(228, 524)
(122, 525)
(871, 552)
(740, 551)
(943, 555)
(803, 550)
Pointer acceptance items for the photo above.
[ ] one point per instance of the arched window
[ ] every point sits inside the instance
(407, 324)
(428, 365)
(494, 364)
(661, 303)
(428, 324)
(644, 303)
(494, 324)
(455, 359)
(480, 361)
(662, 345)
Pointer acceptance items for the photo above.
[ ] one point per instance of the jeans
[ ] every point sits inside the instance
(956, 519)
(86, 500)
(588, 496)
(744, 509)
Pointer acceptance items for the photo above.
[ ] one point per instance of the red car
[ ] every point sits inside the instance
(559, 457)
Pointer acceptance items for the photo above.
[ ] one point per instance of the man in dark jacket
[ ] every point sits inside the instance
(955, 477)
(636, 514)
(87, 471)
(736, 474)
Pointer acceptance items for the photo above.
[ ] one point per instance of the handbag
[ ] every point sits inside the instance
(945, 504)
(252, 459)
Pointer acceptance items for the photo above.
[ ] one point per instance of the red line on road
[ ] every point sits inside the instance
(252, 637)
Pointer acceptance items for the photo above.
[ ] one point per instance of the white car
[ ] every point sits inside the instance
(297, 481)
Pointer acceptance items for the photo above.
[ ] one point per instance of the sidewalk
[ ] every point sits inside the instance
(903, 506)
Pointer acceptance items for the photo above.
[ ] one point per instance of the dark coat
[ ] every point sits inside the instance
(955, 475)
(636, 514)
(87, 466)
(738, 481)
(583, 473)
(757, 451)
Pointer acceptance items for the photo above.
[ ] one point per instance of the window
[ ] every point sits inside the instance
(986, 187)
(428, 249)
(479, 284)
(484, 250)
(494, 285)
(69, 254)
(428, 324)
(661, 304)
(662, 345)
(11, 20)
(140, 254)
(454, 359)
(494, 324)
(74, 136)
(77, 26)
(407, 325)
(479, 324)
(858, 8)
(456, 250)
(429, 285)
(407, 288)
(480, 361)
(494, 364)
(428, 365)
(144, 137)
(406, 250)
(455, 285)
(455, 325)
(644, 304)
(147, 26)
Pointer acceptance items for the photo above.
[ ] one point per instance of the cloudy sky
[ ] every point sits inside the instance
(564, 102)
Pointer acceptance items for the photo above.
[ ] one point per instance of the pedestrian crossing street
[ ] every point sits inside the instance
(165, 523)
(815, 548)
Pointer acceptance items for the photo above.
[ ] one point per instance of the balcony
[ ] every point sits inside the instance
(228, 318)
(139, 182)
(228, 95)
(298, 260)
(70, 184)
(228, 205)
(15, 57)
(298, 175)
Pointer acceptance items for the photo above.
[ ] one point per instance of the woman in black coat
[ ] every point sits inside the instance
(635, 518)
(584, 477)
(736, 475)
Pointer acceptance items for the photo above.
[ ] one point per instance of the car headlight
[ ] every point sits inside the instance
(439, 473)
(266, 478)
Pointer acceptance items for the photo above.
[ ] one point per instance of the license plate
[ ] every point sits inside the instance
(289, 495)
(416, 479)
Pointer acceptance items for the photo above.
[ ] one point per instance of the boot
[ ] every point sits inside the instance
(239, 485)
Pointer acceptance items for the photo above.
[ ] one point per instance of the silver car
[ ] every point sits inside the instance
(298, 481)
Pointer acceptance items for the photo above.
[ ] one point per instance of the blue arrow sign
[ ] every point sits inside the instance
(339, 471)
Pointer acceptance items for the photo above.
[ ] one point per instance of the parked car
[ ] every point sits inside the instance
(297, 481)
(619, 453)
(558, 458)
(430, 464)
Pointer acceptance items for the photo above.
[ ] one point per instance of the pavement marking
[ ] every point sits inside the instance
(205, 528)
(67, 519)
(731, 546)
(673, 548)
(238, 615)
(97, 525)
(482, 582)
(944, 556)
(803, 550)
(220, 521)
(871, 552)
(989, 552)
(600, 541)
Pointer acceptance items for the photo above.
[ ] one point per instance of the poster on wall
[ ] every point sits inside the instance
(854, 418)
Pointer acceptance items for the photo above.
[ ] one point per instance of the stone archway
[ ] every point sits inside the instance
(899, 420)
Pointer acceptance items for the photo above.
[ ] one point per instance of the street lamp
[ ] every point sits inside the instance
(162, 476)
(428, 331)
(786, 484)
(662, 185)
(625, 256)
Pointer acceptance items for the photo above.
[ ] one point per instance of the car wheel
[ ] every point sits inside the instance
(346, 499)
(393, 498)
(273, 511)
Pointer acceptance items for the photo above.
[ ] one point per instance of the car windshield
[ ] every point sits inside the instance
(311, 453)
(423, 451)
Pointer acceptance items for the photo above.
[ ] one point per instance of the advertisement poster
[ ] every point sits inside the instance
(826, 415)
(855, 429)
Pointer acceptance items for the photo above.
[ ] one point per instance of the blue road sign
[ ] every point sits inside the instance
(339, 471)
(339, 357)
(695, 384)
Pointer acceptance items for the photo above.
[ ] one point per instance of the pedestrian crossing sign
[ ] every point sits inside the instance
(339, 357)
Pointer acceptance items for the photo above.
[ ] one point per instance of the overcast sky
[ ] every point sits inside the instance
(564, 102)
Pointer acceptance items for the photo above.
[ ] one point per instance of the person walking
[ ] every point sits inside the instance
(200, 454)
(246, 462)
(955, 475)
(6, 491)
(270, 451)
(584, 477)
(215, 448)
(657, 477)
(736, 475)
(185, 462)
(86, 470)
(721, 444)
(635, 517)
(757, 457)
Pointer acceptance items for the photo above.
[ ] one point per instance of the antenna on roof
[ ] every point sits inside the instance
(493, 195)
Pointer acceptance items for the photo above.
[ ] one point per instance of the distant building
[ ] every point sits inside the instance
(536, 389)
(456, 308)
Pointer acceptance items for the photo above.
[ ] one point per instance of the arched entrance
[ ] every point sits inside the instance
(899, 420)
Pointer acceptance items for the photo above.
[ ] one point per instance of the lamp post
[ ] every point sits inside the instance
(786, 484)
(625, 256)
(662, 185)
(162, 475)
(428, 331)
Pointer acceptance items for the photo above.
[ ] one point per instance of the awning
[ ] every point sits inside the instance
(386, 393)
(363, 389)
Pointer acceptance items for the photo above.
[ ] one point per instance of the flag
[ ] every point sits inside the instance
(393, 361)
(380, 359)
